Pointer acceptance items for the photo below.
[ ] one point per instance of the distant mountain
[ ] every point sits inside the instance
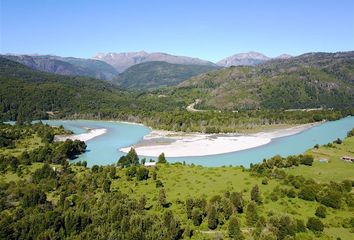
(67, 65)
(122, 61)
(149, 75)
(245, 59)
(283, 56)
(310, 80)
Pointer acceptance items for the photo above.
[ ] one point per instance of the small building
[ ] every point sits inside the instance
(348, 159)
(323, 160)
(150, 164)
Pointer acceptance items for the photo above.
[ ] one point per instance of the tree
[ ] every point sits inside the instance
(234, 229)
(142, 173)
(107, 185)
(212, 217)
(237, 201)
(84, 164)
(162, 197)
(197, 217)
(315, 224)
(255, 194)
(112, 172)
(251, 213)
(33, 197)
(226, 208)
(161, 158)
(154, 175)
(132, 157)
(142, 202)
(189, 207)
(95, 168)
(285, 226)
(321, 212)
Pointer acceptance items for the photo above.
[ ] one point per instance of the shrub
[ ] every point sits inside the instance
(315, 224)
(321, 212)
(332, 199)
(307, 193)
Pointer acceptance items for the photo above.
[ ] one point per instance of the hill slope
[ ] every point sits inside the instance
(33, 94)
(122, 61)
(67, 66)
(307, 81)
(157, 74)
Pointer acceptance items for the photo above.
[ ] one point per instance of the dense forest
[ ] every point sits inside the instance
(43, 197)
(26, 95)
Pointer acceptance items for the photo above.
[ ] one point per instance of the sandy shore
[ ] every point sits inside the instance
(176, 144)
(92, 133)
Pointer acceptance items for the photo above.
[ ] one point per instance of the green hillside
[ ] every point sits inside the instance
(311, 80)
(28, 94)
(43, 197)
(157, 74)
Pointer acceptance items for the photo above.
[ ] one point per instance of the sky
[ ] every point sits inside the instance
(207, 29)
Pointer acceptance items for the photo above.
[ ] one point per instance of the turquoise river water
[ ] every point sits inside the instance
(104, 149)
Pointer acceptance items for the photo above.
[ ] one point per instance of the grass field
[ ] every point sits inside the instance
(335, 169)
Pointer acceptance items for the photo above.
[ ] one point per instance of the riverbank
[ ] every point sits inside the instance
(178, 144)
(92, 133)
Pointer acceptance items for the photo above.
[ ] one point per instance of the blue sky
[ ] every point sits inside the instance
(206, 29)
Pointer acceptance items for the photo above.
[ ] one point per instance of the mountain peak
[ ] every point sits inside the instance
(284, 56)
(249, 59)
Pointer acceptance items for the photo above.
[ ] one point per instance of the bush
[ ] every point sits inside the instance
(265, 181)
(307, 193)
(142, 174)
(197, 217)
(332, 199)
(321, 212)
(307, 160)
(315, 224)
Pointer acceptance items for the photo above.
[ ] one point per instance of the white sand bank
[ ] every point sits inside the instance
(92, 133)
(197, 144)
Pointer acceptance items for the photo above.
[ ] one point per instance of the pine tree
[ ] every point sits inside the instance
(255, 194)
(107, 185)
(162, 197)
(251, 213)
(212, 217)
(234, 229)
(162, 158)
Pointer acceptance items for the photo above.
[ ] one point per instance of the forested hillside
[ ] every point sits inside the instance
(152, 75)
(311, 80)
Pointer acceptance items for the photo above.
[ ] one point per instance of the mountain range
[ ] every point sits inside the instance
(122, 61)
(67, 65)
(139, 70)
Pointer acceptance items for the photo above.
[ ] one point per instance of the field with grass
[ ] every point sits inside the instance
(335, 169)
